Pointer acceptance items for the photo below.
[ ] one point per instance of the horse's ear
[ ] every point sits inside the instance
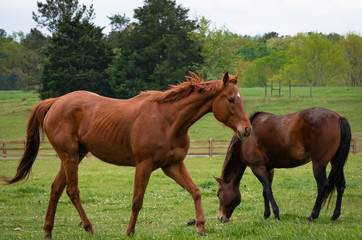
(234, 79)
(218, 179)
(225, 79)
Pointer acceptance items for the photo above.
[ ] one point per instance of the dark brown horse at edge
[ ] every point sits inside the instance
(287, 141)
(148, 131)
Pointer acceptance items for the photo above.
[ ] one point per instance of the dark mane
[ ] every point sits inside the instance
(253, 115)
(193, 83)
(233, 166)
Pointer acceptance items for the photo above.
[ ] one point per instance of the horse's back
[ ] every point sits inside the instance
(283, 141)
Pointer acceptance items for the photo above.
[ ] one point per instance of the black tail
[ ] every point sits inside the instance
(339, 159)
(32, 140)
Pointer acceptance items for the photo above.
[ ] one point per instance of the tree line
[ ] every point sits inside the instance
(159, 48)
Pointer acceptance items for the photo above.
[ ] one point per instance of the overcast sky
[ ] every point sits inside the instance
(245, 17)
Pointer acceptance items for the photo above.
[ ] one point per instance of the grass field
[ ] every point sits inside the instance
(107, 194)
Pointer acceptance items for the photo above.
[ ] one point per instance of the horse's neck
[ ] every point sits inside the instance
(235, 173)
(234, 168)
(186, 112)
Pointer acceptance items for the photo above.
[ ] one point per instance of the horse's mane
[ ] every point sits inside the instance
(253, 115)
(194, 83)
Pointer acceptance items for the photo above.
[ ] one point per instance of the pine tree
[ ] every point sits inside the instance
(156, 51)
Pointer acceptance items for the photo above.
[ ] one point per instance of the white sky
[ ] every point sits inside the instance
(245, 17)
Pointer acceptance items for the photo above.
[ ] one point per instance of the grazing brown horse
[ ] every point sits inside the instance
(148, 131)
(287, 141)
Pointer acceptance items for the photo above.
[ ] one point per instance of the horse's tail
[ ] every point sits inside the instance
(32, 143)
(339, 159)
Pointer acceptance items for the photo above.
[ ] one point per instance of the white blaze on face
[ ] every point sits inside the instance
(238, 95)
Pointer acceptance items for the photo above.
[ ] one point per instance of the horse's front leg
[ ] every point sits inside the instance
(266, 178)
(142, 176)
(179, 173)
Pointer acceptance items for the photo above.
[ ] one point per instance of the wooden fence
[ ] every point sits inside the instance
(356, 143)
(211, 147)
(272, 88)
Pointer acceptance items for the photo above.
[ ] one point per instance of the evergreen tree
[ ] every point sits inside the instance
(156, 51)
(76, 60)
(76, 56)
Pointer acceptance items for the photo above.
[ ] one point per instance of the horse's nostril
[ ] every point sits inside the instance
(247, 132)
(223, 219)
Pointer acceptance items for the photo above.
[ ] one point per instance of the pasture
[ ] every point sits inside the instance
(106, 190)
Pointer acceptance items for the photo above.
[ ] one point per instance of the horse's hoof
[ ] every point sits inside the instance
(202, 233)
(90, 232)
(333, 218)
(310, 219)
(191, 222)
(48, 236)
(200, 228)
(130, 232)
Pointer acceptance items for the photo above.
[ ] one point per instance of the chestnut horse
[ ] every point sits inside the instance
(149, 131)
(287, 141)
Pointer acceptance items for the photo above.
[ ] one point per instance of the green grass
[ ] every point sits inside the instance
(107, 193)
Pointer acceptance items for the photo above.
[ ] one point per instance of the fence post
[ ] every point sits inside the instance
(4, 150)
(266, 84)
(280, 87)
(271, 88)
(211, 150)
(354, 144)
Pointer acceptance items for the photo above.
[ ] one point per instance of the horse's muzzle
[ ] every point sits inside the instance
(244, 134)
(223, 219)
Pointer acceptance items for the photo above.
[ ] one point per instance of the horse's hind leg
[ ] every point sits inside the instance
(265, 195)
(70, 161)
(341, 185)
(56, 191)
(319, 171)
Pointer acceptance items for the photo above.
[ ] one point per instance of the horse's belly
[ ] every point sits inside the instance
(114, 156)
(290, 162)
(169, 157)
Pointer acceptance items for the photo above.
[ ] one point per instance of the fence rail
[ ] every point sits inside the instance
(211, 147)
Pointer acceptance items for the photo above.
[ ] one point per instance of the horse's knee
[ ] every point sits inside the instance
(55, 195)
(73, 194)
(196, 194)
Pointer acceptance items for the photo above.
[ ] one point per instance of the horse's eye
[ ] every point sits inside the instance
(231, 100)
